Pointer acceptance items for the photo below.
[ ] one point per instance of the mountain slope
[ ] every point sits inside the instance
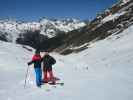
(112, 21)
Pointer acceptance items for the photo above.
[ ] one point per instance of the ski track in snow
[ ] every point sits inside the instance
(102, 72)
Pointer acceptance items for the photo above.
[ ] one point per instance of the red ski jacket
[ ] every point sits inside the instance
(36, 59)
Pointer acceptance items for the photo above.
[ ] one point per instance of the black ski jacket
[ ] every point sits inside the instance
(48, 61)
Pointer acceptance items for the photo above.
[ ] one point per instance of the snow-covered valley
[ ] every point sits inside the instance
(102, 72)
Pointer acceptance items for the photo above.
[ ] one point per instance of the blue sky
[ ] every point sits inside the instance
(35, 9)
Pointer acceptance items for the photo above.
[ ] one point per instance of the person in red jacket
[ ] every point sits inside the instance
(36, 60)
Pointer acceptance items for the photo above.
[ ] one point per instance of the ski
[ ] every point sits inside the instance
(58, 83)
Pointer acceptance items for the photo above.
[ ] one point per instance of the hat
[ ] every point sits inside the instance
(37, 52)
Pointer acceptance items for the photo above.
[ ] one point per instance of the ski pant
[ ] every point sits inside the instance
(50, 77)
(38, 72)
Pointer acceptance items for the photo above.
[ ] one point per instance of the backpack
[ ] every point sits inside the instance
(52, 60)
(49, 60)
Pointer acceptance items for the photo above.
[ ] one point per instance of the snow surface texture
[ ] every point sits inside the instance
(102, 72)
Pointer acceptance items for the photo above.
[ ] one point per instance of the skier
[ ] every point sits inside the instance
(48, 61)
(36, 60)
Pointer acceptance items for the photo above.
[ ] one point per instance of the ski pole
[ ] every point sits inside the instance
(26, 76)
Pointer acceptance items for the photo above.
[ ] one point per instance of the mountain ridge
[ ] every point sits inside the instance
(47, 27)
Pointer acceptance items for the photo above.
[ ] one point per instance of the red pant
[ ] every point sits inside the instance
(48, 76)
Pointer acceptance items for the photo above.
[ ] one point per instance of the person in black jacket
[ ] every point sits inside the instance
(48, 61)
(36, 60)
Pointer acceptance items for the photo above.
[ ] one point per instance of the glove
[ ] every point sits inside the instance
(29, 63)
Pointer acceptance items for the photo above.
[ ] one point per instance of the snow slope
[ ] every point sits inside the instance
(102, 72)
(112, 17)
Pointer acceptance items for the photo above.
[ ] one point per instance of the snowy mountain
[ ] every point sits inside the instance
(8, 29)
(69, 35)
(113, 20)
(11, 29)
(52, 26)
